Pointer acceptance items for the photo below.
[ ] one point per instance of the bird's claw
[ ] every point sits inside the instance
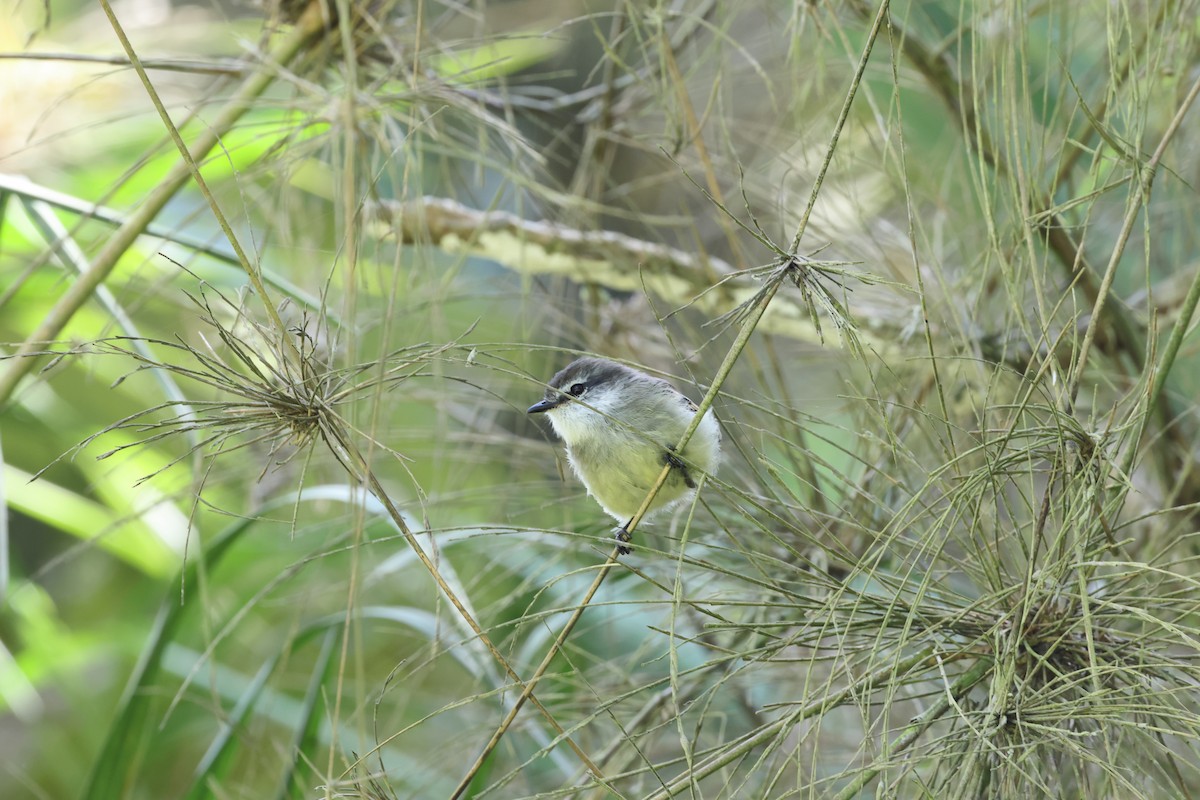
(622, 536)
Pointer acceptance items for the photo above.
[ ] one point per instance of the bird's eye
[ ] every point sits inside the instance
(576, 389)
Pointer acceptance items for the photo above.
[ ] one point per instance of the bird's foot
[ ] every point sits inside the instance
(622, 535)
(677, 464)
(669, 457)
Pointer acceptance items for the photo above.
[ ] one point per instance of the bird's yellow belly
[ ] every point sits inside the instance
(621, 485)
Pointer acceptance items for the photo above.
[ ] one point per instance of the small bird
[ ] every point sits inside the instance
(621, 427)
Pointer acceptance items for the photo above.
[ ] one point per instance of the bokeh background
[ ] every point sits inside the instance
(950, 552)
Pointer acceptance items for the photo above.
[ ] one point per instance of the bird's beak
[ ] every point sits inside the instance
(539, 407)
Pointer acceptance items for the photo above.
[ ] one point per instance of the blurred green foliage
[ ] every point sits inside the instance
(924, 569)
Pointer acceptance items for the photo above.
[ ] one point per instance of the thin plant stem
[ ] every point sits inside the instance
(963, 684)
(760, 308)
(366, 475)
(1186, 312)
(735, 350)
(309, 24)
(1141, 192)
(767, 732)
(527, 691)
(190, 162)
